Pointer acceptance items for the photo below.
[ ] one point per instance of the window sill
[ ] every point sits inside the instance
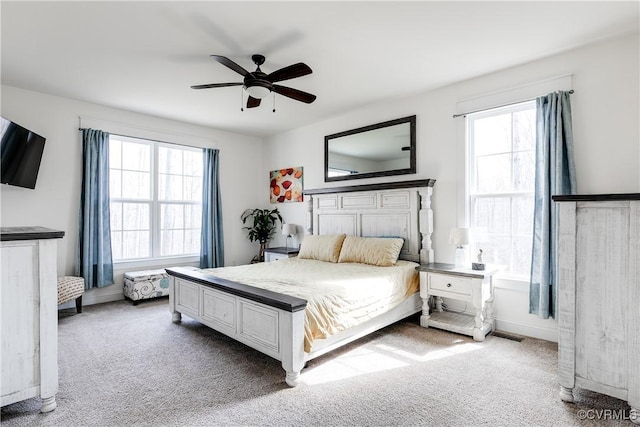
(511, 282)
(155, 262)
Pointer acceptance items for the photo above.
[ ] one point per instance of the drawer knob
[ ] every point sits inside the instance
(448, 285)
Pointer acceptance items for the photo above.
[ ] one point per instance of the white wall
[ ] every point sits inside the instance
(606, 137)
(54, 202)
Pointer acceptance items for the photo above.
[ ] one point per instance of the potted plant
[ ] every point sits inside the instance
(264, 225)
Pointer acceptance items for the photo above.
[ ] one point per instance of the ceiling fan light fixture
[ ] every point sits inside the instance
(259, 85)
(258, 90)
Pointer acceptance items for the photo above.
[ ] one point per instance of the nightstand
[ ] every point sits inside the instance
(272, 254)
(462, 284)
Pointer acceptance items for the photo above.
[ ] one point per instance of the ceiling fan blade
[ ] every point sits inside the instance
(296, 94)
(292, 71)
(229, 63)
(211, 85)
(253, 102)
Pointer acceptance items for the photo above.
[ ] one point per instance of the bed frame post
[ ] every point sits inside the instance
(293, 356)
(309, 224)
(426, 225)
(176, 317)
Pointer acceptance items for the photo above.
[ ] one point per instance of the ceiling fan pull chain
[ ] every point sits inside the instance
(274, 102)
(241, 100)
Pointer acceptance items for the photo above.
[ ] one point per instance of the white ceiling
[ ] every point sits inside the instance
(143, 56)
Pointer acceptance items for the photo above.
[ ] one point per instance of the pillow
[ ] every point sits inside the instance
(381, 251)
(321, 247)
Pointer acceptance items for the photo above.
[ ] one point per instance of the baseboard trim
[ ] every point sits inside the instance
(547, 334)
(90, 298)
(114, 292)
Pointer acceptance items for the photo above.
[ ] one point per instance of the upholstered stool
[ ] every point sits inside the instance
(70, 287)
(146, 284)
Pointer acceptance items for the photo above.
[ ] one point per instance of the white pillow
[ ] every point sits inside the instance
(321, 247)
(381, 251)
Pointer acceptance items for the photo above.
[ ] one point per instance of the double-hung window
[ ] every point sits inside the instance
(156, 192)
(501, 144)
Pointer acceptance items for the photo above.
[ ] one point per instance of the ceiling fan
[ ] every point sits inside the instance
(259, 84)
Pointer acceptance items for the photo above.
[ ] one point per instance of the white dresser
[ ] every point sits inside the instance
(599, 296)
(29, 301)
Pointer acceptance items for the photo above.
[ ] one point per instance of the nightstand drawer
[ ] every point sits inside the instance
(455, 285)
(274, 254)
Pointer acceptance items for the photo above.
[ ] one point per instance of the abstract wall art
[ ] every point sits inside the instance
(285, 185)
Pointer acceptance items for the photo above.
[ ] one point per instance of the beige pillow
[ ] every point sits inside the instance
(379, 251)
(321, 247)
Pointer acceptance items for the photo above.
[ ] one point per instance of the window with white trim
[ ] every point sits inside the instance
(155, 199)
(501, 144)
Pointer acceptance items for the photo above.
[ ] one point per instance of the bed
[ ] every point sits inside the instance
(258, 306)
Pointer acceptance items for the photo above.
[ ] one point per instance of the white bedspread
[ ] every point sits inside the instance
(339, 295)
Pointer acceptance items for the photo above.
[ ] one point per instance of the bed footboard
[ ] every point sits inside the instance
(269, 322)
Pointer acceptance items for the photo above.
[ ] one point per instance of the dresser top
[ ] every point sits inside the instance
(596, 197)
(29, 233)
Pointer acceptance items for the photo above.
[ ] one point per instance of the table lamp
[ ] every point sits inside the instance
(460, 238)
(288, 230)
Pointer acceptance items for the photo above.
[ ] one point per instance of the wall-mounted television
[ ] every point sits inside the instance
(20, 154)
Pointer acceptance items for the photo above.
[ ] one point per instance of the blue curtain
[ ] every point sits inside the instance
(212, 242)
(94, 261)
(555, 174)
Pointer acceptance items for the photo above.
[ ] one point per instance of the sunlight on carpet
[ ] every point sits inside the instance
(433, 355)
(382, 357)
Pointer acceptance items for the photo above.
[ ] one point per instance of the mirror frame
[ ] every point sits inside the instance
(412, 152)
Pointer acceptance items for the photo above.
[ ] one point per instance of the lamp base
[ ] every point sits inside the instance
(460, 257)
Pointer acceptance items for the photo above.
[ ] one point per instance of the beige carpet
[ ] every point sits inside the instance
(122, 365)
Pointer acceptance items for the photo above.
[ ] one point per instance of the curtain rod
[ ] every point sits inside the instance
(154, 140)
(499, 106)
(128, 127)
(177, 135)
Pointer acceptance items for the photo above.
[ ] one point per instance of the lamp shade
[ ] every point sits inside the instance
(289, 229)
(459, 236)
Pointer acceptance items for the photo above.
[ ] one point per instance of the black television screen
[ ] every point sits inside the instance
(20, 154)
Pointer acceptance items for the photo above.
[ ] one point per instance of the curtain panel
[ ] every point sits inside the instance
(94, 260)
(555, 175)
(212, 241)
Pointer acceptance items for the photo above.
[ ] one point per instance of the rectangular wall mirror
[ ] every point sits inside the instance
(382, 149)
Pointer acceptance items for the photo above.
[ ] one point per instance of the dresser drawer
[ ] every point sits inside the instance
(450, 284)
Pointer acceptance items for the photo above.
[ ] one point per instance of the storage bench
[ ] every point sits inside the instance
(145, 284)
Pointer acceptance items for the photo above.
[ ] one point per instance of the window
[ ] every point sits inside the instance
(501, 145)
(156, 192)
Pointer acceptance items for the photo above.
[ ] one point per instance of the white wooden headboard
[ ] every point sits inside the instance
(400, 209)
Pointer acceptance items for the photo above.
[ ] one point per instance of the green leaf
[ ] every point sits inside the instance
(264, 223)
